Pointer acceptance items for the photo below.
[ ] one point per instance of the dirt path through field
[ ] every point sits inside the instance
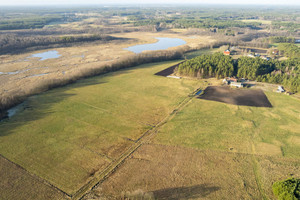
(147, 136)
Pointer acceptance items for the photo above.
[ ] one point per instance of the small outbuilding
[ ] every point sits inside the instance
(280, 89)
(236, 84)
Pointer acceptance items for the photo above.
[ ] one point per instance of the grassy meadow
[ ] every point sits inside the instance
(219, 126)
(67, 134)
(213, 150)
(270, 137)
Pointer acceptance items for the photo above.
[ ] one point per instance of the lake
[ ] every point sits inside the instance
(163, 43)
(46, 55)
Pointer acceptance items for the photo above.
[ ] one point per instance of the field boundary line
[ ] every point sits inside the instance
(36, 177)
(256, 173)
(146, 136)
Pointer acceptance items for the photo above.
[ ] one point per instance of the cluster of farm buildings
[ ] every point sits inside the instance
(252, 55)
(240, 83)
(234, 82)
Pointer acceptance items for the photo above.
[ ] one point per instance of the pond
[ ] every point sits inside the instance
(46, 55)
(199, 92)
(163, 43)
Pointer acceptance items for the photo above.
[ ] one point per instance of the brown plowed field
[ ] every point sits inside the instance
(242, 97)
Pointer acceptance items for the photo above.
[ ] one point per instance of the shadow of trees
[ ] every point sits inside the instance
(175, 193)
(191, 192)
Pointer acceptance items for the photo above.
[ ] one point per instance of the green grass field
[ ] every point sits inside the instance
(270, 135)
(212, 125)
(68, 133)
(194, 54)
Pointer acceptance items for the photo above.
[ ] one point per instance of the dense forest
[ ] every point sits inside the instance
(218, 65)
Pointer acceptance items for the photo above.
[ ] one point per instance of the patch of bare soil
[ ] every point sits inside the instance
(16, 183)
(165, 172)
(242, 97)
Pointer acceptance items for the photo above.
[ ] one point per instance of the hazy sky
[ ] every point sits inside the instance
(73, 2)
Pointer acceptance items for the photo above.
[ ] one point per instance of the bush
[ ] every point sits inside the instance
(288, 189)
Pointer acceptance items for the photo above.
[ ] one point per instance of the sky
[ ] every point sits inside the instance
(86, 2)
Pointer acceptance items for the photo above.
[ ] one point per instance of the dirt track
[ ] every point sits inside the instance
(242, 97)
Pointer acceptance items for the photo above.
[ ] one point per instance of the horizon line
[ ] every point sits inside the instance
(153, 4)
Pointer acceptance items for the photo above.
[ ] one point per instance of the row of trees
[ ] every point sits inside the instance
(29, 22)
(218, 65)
(197, 23)
(12, 43)
(282, 39)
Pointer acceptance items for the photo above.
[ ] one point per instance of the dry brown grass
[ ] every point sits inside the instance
(167, 172)
(75, 63)
(273, 169)
(16, 183)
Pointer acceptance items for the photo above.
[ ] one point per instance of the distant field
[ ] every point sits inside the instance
(256, 20)
(27, 74)
(194, 54)
(68, 134)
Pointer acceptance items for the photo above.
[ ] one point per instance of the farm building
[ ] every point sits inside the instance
(237, 84)
(275, 52)
(227, 52)
(228, 80)
(280, 89)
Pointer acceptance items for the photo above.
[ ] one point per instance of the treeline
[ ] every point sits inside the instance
(29, 22)
(218, 65)
(12, 43)
(7, 102)
(215, 65)
(282, 39)
(197, 23)
(286, 25)
(286, 72)
(251, 68)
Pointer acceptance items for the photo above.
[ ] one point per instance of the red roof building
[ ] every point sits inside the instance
(227, 52)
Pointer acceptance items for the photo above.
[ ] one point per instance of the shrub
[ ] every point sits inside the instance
(288, 189)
